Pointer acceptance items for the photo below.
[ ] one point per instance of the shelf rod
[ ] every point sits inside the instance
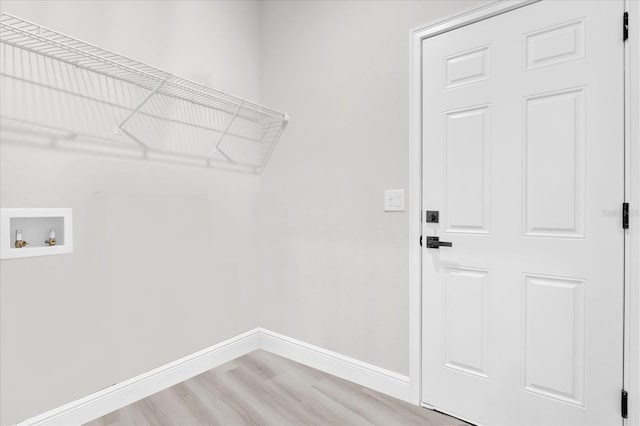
(140, 105)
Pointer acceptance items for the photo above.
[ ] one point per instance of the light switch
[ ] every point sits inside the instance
(394, 200)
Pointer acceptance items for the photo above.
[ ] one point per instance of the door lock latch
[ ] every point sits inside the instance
(435, 243)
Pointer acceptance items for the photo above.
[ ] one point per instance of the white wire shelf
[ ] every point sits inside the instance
(59, 87)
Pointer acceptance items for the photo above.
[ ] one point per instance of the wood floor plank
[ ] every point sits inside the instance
(329, 411)
(241, 412)
(264, 389)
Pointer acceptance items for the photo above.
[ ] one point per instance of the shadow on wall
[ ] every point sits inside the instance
(35, 136)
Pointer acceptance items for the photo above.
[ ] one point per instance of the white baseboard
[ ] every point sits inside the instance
(351, 369)
(122, 394)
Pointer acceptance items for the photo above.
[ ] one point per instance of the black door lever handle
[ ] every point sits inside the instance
(435, 243)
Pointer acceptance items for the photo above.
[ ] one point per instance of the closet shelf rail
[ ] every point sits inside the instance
(68, 91)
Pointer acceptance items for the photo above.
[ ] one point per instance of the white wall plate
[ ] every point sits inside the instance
(35, 224)
(394, 200)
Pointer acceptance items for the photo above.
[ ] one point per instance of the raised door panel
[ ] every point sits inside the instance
(554, 337)
(467, 174)
(555, 45)
(467, 67)
(555, 164)
(466, 320)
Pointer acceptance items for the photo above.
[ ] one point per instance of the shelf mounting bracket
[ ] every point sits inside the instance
(223, 134)
(120, 128)
(226, 130)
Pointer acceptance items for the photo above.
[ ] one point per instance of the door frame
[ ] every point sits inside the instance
(632, 192)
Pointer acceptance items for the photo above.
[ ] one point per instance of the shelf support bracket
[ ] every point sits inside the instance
(226, 130)
(120, 128)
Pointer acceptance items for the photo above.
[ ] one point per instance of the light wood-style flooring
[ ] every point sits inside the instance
(264, 389)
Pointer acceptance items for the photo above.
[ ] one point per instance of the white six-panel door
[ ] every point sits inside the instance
(523, 156)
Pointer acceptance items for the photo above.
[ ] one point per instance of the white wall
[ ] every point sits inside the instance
(163, 261)
(333, 266)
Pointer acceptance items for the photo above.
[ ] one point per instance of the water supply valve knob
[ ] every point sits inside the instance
(52, 238)
(20, 243)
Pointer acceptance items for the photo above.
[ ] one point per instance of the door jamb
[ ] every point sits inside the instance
(632, 195)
